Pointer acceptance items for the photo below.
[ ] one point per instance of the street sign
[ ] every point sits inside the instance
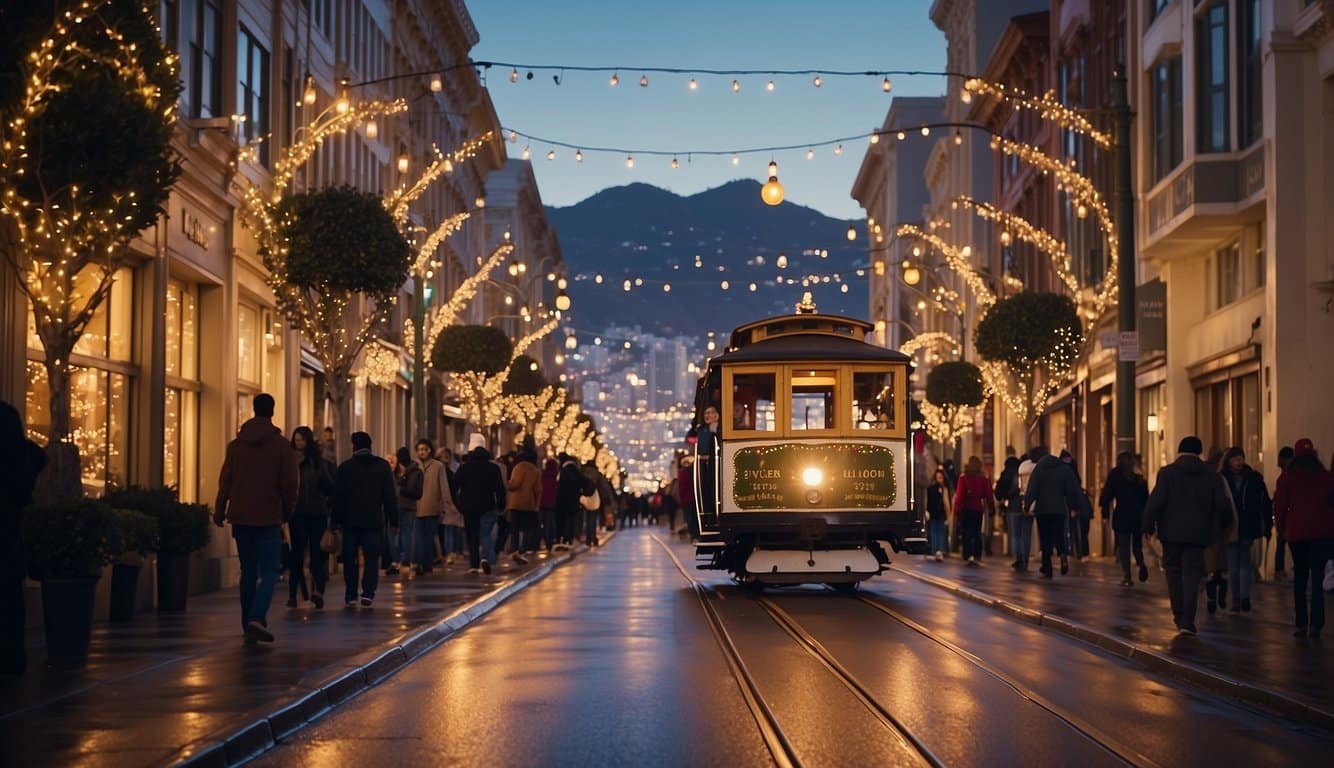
(1127, 346)
(1108, 339)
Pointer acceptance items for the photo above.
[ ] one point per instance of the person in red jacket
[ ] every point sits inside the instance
(973, 500)
(1304, 514)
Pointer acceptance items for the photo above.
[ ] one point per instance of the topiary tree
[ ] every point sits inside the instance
(1029, 341)
(474, 355)
(336, 261)
(525, 377)
(953, 390)
(87, 108)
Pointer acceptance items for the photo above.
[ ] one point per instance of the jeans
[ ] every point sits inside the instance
(523, 531)
(452, 536)
(972, 533)
(260, 550)
(1184, 567)
(591, 520)
(1052, 534)
(481, 541)
(401, 545)
(547, 518)
(306, 533)
(1308, 566)
(936, 536)
(1127, 543)
(369, 540)
(1021, 536)
(1239, 569)
(423, 535)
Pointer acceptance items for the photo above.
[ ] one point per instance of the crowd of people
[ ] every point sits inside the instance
(1206, 516)
(404, 514)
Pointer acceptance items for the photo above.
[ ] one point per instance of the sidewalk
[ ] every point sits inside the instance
(1250, 656)
(171, 687)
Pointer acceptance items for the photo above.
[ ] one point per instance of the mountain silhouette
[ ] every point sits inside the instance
(640, 231)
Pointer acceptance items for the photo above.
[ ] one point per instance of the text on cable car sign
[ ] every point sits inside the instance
(822, 476)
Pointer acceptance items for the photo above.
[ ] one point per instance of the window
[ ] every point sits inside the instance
(247, 344)
(1166, 94)
(1227, 413)
(873, 400)
(1212, 77)
(180, 436)
(1250, 102)
(1228, 281)
(252, 93)
(753, 402)
(99, 419)
(1156, 7)
(812, 399)
(1259, 267)
(201, 50)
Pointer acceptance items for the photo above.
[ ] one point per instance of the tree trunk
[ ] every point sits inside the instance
(336, 391)
(61, 479)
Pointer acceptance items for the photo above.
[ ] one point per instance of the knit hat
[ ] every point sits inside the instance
(1191, 444)
(1303, 447)
(476, 441)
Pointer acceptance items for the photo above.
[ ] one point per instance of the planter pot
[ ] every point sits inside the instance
(124, 590)
(173, 581)
(67, 614)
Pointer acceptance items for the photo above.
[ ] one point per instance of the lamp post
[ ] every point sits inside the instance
(1125, 274)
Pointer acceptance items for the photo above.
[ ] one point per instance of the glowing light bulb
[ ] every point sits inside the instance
(769, 86)
(753, 288)
(838, 150)
(629, 161)
(527, 153)
(403, 163)
(736, 86)
(1005, 238)
(810, 153)
(514, 75)
(675, 163)
(694, 86)
(886, 85)
(926, 131)
(562, 301)
(598, 278)
(373, 130)
(782, 261)
(643, 81)
(666, 287)
(551, 154)
(958, 137)
(966, 96)
(578, 156)
(310, 94)
(1082, 211)
(966, 251)
(902, 135)
(852, 232)
(615, 79)
(625, 285)
(726, 285)
(514, 137)
(639, 281)
(875, 137)
(817, 82)
(843, 288)
(772, 191)
(342, 105)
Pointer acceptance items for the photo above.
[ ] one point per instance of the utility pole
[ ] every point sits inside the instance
(1125, 273)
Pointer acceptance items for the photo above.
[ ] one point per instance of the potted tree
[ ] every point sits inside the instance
(139, 536)
(183, 529)
(67, 544)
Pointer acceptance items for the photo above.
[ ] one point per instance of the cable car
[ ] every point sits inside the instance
(806, 470)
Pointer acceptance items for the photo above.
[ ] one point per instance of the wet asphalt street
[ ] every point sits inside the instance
(612, 661)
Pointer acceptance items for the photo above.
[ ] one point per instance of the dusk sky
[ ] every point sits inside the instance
(584, 110)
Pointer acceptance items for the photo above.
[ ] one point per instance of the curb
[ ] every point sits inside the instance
(248, 741)
(1149, 659)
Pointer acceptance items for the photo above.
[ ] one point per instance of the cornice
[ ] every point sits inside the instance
(1315, 23)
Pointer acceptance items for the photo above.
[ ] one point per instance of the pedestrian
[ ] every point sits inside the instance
(522, 502)
(1255, 518)
(1122, 501)
(402, 534)
(1304, 513)
(365, 500)
(685, 494)
(973, 501)
(328, 447)
(481, 496)
(1281, 548)
(550, 471)
(434, 500)
(938, 513)
(1053, 491)
(311, 519)
(1020, 526)
(569, 487)
(257, 492)
(593, 501)
(23, 460)
(1186, 509)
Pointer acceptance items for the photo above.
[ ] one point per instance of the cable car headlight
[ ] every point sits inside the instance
(812, 476)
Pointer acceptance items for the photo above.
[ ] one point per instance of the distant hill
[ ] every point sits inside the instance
(642, 231)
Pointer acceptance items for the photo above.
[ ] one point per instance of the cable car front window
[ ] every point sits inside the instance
(753, 402)
(873, 400)
(812, 400)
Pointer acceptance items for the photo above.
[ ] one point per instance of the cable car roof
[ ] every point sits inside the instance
(806, 337)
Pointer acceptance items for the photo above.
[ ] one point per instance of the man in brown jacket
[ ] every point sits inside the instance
(257, 492)
(523, 500)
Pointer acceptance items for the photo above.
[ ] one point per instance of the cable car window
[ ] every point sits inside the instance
(753, 401)
(873, 400)
(812, 399)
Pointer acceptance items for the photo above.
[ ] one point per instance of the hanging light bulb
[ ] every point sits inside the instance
(810, 153)
(578, 156)
(966, 96)
(562, 301)
(817, 82)
(843, 288)
(561, 284)
(438, 84)
(480, 202)
(571, 342)
(772, 191)
(838, 150)
(1082, 211)
(902, 135)
(309, 95)
(598, 278)
(514, 75)
(885, 85)
(753, 287)
(514, 137)
(666, 287)
(926, 130)
(625, 285)
(1005, 238)
(852, 232)
(958, 137)
(694, 86)
(782, 260)
(725, 285)
(551, 154)
(527, 153)
(639, 281)
(372, 129)
(769, 86)
(629, 161)
(966, 251)
(342, 105)
(875, 137)
(736, 86)
(615, 80)
(736, 159)
(911, 274)
(643, 81)
(403, 163)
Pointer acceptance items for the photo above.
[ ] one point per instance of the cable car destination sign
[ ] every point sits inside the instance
(820, 476)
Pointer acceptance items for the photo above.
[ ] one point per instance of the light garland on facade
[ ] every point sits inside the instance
(1046, 106)
(437, 238)
(398, 202)
(1040, 239)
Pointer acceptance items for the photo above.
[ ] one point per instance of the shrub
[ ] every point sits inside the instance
(70, 539)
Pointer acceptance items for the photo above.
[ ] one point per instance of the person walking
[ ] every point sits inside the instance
(550, 472)
(311, 519)
(1122, 501)
(522, 503)
(401, 539)
(1255, 518)
(433, 502)
(365, 499)
(481, 497)
(1010, 498)
(1187, 506)
(23, 460)
(258, 487)
(1304, 513)
(1281, 546)
(973, 501)
(569, 487)
(938, 514)
(1052, 492)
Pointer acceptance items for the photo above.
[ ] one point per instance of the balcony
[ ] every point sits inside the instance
(1202, 202)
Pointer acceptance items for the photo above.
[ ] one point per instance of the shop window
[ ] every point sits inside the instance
(180, 437)
(873, 400)
(247, 344)
(99, 415)
(753, 402)
(1227, 413)
(812, 400)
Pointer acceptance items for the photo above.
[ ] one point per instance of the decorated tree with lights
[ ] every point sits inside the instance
(477, 357)
(85, 165)
(1028, 343)
(953, 392)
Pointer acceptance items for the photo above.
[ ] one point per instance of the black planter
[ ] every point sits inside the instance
(67, 614)
(124, 591)
(173, 581)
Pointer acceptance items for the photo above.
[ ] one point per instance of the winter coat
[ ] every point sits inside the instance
(973, 494)
(569, 487)
(436, 496)
(1009, 497)
(316, 487)
(937, 502)
(1255, 512)
(452, 514)
(1053, 488)
(481, 489)
(259, 481)
(365, 492)
(550, 471)
(409, 489)
(1188, 504)
(1130, 493)
(685, 487)
(1304, 503)
(525, 487)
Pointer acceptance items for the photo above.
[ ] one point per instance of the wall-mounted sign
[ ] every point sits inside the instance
(1151, 316)
(818, 476)
(194, 228)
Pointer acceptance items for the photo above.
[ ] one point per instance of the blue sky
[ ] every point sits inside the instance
(584, 110)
